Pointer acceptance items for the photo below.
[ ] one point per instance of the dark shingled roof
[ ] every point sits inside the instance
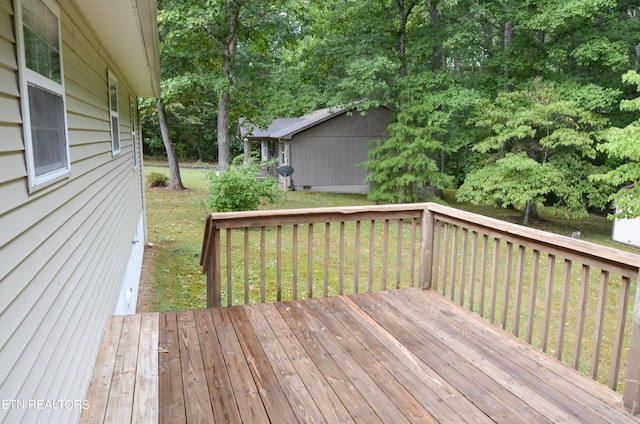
(285, 128)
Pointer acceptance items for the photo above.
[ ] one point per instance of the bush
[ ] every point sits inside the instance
(240, 189)
(157, 179)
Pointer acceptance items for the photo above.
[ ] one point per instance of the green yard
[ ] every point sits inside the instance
(173, 277)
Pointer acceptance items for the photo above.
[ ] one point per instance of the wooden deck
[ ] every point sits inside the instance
(389, 357)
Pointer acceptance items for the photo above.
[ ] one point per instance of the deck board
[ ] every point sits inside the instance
(403, 356)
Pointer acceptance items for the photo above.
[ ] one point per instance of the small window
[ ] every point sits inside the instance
(42, 87)
(134, 141)
(113, 113)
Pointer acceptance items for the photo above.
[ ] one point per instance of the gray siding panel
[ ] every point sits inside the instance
(329, 154)
(65, 247)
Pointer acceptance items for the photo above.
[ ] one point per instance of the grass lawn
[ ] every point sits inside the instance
(173, 279)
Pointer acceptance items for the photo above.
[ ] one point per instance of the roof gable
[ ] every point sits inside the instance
(285, 128)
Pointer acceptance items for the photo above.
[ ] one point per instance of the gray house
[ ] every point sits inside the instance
(324, 148)
(72, 218)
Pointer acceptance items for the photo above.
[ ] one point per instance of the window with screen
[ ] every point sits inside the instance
(113, 111)
(42, 82)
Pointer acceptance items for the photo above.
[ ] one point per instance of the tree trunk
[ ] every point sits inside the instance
(530, 211)
(436, 51)
(175, 182)
(508, 35)
(223, 132)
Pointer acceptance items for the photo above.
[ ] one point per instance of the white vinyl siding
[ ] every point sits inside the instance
(64, 247)
(42, 85)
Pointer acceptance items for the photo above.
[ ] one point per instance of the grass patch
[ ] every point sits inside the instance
(176, 220)
(176, 224)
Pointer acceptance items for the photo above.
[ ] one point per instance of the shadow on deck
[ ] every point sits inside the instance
(388, 357)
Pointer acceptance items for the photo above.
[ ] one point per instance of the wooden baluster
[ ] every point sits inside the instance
(463, 266)
(399, 254)
(412, 263)
(631, 394)
(454, 261)
(599, 324)
(625, 288)
(445, 265)
(507, 285)
(435, 256)
(327, 243)
(294, 282)
(356, 261)
(229, 282)
(474, 268)
(548, 298)
(262, 264)
(341, 265)
(385, 253)
(517, 307)
(564, 303)
(483, 273)
(372, 246)
(279, 263)
(494, 279)
(310, 262)
(246, 264)
(582, 313)
(533, 287)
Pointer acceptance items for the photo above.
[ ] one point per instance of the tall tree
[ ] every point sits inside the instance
(175, 181)
(622, 145)
(538, 151)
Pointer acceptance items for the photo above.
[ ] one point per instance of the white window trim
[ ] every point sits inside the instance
(115, 150)
(26, 76)
(133, 106)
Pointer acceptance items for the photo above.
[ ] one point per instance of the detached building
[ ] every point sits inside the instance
(325, 148)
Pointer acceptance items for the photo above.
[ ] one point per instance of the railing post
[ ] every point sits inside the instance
(213, 273)
(426, 250)
(631, 395)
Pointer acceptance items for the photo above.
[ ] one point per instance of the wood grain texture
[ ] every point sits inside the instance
(401, 356)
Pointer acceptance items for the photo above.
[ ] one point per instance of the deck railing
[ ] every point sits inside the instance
(574, 300)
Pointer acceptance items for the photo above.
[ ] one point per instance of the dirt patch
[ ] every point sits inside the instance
(145, 291)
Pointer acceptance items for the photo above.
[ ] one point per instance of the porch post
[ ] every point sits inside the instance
(426, 250)
(213, 272)
(631, 395)
(246, 144)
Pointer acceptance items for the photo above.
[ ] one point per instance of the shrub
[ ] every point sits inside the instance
(240, 189)
(157, 179)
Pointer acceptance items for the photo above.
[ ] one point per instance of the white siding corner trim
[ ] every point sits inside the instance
(127, 300)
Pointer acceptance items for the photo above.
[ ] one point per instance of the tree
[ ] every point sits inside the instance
(537, 149)
(175, 181)
(622, 145)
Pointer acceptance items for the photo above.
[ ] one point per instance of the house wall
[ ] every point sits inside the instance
(627, 231)
(64, 249)
(326, 157)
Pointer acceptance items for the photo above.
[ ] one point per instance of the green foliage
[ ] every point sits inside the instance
(241, 188)
(539, 150)
(157, 179)
(622, 145)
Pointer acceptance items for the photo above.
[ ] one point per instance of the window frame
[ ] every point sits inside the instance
(116, 142)
(28, 77)
(134, 130)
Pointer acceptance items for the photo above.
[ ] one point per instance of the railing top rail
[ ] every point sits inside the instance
(313, 215)
(555, 242)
